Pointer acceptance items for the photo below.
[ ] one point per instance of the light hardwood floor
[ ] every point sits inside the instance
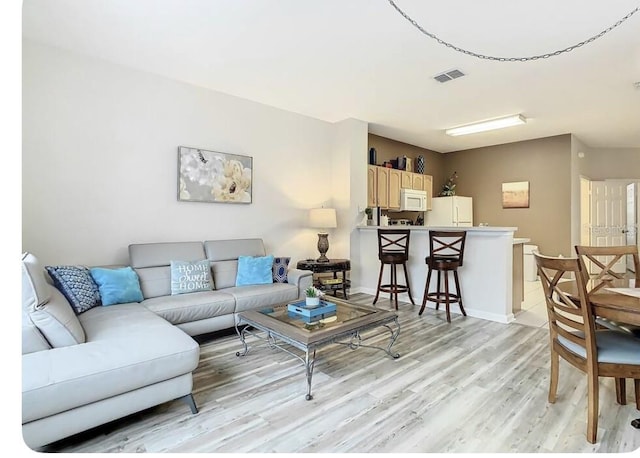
(468, 386)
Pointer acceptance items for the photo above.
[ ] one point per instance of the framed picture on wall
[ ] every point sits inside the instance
(211, 176)
(515, 194)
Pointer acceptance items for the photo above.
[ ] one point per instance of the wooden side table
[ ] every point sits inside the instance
(335, 266)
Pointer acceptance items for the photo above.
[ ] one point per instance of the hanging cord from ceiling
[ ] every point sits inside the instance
(511, 59)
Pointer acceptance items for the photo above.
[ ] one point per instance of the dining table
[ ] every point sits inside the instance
(618, 300)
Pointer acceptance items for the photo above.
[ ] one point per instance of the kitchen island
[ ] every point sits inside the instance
(486, 277)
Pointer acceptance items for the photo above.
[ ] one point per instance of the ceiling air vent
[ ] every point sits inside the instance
(448, 76)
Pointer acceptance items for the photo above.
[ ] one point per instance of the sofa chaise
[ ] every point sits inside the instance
(81, 370)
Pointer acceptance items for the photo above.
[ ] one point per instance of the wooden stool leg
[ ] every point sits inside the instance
(395, 283)
(455, 277)
(379, 283)
(426, 291)
(391, 282)
(406, 277)
(446, 294)
(439, 289)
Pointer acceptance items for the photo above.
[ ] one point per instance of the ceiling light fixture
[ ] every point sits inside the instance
(483, 126)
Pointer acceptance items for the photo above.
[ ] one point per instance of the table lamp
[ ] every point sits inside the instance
(323, 218)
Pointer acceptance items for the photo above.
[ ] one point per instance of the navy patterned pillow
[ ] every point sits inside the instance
(280, 266)
(77, 285)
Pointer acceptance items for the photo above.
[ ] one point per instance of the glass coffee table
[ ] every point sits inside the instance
(277, 326)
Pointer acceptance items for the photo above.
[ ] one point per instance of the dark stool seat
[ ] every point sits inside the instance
(393, 250)
(446, 249)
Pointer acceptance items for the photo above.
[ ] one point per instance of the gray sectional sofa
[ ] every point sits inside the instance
(80, 371)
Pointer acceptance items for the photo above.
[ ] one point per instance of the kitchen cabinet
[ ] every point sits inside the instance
(384, 185)
(395, 178)
(428, 186)
(417, 181)
(406, 180)
(378, 186)
(372, 186)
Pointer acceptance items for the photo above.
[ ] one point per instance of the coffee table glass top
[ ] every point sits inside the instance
(344, 313)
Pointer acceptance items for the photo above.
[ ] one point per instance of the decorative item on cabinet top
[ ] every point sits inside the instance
(449, 188)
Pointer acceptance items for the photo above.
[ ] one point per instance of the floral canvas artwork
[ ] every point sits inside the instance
(210, 176)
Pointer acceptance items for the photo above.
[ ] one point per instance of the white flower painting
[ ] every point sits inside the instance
(209, 176)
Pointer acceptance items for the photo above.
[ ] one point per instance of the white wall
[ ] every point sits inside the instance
(100, 158)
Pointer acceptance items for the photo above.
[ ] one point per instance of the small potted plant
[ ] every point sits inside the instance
(312, 296)
(369, 212)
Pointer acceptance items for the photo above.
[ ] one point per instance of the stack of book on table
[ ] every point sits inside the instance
(323, 311)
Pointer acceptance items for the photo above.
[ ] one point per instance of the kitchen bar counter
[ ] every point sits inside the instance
(486, 278)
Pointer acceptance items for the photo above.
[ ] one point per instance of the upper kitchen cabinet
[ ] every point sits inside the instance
(378, 180)
(384, 185)
(428, 186)
(372, 186)
(395, 178)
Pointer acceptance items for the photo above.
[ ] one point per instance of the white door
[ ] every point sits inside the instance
(631, 226)
(585, 211)
(608, 216)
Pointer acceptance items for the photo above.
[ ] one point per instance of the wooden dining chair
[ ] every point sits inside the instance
(606, 274)
(573, 336)
(604, 258)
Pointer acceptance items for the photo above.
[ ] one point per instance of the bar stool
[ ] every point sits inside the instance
(393, 249)
(446, 252)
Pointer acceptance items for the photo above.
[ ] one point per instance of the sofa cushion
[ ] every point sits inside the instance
(161, 254)
(280, 268)
(46, 308)
(256, 270)
(190, 276)
(224, 254)
(128, 347)
(185, 308)
(258, 296)
(77, 285)
(117, 286)
(32, 338)
(35, 289)
(224, 273)
(152, 263)
(225, 250)
(155, 281)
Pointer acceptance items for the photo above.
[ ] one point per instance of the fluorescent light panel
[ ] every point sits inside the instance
(483, 126)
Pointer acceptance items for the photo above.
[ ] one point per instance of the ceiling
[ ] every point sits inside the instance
(338, 59)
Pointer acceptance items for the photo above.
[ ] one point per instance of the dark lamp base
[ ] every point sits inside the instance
(323, 247)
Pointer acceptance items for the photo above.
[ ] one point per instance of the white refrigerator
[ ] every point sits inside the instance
(454, 211)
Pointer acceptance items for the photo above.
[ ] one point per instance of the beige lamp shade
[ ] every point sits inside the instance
(323, 218)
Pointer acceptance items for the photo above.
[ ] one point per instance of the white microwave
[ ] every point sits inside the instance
(413, 200)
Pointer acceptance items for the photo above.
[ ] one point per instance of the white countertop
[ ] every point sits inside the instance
(446, 228)
(517, 240)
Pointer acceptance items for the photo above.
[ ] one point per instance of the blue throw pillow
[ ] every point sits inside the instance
(280, 267)
(254, 270)
(77, 285)
(189, 277)
(117, 286)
